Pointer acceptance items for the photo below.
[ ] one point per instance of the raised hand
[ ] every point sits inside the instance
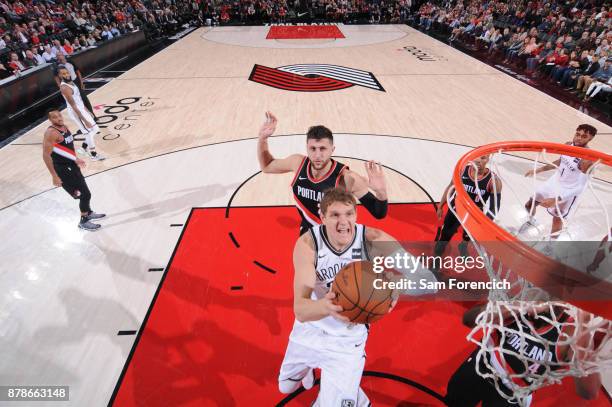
(269, 126)
(376, 177)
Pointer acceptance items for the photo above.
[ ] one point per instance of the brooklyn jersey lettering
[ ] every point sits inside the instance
(63, 151)
(328, 263)
(570, 176)
(308, 191)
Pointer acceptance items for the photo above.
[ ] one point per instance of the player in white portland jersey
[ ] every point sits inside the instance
(79, 114)
(321, 337)
(560, 192)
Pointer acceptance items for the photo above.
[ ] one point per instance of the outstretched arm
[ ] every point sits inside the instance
(546, 167)
(443, 200)
(376, 203)
(267, 162)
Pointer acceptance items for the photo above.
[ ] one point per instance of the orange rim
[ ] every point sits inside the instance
(559, 280)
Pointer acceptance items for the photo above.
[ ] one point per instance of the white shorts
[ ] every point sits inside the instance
(84, 130)
(551, 189)
(341, 360)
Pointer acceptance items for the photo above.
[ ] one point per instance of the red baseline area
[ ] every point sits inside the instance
(287, 32)
(218, 329)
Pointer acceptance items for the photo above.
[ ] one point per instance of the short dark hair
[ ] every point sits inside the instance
(337, 194)
(319, 133)
(52, 109)
(587, 128)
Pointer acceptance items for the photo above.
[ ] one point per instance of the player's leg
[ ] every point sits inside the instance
(76, 120)
(449, 228)
(465, 387)
(74, 183)
(531, 206)
(559, 212)
(90, 142)
(85, 200)
(85, 99)
(298, 363)
(341, 372)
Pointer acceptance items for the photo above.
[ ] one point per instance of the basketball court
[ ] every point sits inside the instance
(184, 297)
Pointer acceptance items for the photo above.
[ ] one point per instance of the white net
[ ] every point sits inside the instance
(528, 339)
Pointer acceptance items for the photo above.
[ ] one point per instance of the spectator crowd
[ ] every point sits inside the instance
(565, 43)
(35, 32)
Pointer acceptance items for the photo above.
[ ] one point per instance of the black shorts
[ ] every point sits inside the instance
(466, 388)
(73, 181)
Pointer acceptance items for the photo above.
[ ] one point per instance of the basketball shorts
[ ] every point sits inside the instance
(84, 130)
(341, 360)
(552, 189)
(73, 181)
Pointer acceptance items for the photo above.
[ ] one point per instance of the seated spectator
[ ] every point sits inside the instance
(2, 43)
(4, 73)
(586, 67)
(68, 48)
(573, 62)
(531, 49)
(15, 65)
(596, 87)
(551, 59)
(48, 55)
(514, 48)
(30, 60)
(540, 58)
(604, 73)
(57, 49)
(500, 41)
(91, 42)
(114, 30)
(106, 34)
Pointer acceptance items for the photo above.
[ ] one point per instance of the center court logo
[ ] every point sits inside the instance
(314, 77)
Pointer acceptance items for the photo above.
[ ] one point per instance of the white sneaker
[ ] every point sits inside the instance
(529, 223)
(94, 155)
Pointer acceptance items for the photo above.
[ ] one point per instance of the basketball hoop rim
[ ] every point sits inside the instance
(481, 225)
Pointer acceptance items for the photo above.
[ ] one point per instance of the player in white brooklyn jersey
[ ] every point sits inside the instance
(321, 337)
(79, 114)
(560, 192)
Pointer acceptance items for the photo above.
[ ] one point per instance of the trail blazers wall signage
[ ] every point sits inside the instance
(314, 77)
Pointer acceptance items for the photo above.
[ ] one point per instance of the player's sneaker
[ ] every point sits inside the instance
(309, 379)
(93, 216)
(94, 155)
(87, 225)
(83, 149)
(529, 223)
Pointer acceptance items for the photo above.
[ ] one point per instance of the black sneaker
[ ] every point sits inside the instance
(89, 226)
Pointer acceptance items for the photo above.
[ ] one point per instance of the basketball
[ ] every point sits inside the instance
(355, 293)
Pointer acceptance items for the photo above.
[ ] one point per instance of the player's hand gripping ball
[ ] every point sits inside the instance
(355, 293)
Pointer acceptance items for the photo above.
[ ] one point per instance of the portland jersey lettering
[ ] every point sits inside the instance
(308, 191)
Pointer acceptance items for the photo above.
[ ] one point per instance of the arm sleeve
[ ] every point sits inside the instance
(375, 206)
